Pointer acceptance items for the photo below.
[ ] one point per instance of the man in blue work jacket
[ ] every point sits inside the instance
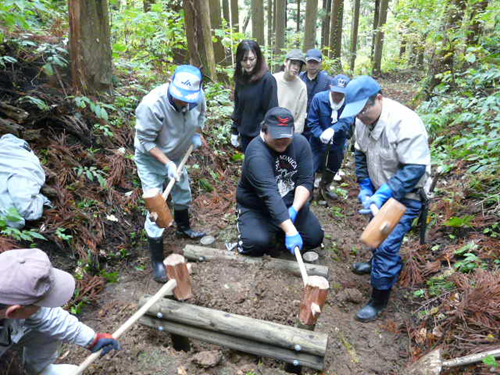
(392, 161)
(329, 132)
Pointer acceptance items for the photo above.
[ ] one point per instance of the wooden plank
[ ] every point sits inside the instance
(197, 253)
(236, 343)
(242, 326)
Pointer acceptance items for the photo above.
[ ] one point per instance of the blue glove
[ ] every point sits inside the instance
(366, 189)
(291, 242)
(292, 212)
(172, 171)
(381, 196)
(196, 140)
(104, 341)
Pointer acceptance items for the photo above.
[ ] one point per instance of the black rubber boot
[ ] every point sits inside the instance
(324, 186)
(362, 268)
(156, 252)
(183, 227)
(375, 306)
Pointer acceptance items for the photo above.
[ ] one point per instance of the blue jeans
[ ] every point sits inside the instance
(386, 261)
(320, 152)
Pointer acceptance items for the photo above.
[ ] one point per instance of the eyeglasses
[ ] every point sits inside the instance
(369, 104)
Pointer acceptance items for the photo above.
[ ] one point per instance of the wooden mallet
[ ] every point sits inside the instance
(383, 222)
(156, 203)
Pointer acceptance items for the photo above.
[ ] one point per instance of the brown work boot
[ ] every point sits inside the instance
(324, 187)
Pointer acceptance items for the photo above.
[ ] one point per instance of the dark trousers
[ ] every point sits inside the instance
(245, 140)
(334, 152)
(258, 234)
(386, 261)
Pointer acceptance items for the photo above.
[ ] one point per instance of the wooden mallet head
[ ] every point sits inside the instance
(158, 208)
(383, 223)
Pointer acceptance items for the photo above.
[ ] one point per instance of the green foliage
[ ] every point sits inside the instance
(439, 284)
(220, 110)
(92, 173)
(459, 222)
(38, 102)
(490, 361)
(63, 236)
(14, 216)
(8, 60)
(98, 108)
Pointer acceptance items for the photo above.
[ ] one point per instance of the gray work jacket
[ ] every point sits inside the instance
(399, 137)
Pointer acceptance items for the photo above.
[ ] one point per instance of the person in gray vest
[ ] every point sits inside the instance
(169, 120)
(31, 293)
(393, 160)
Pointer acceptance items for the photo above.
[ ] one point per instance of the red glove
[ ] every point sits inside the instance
(104, 341)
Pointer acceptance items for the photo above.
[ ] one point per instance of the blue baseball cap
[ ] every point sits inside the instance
(186, 84)
(339, 83)
(314, 54)
(357, 93)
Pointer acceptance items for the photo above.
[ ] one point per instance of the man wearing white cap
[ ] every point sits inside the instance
(393, 160)
(31, 293)
(169, 120)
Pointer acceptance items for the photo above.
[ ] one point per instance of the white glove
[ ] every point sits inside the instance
(327, 135)
(172, 171)
(234, 140)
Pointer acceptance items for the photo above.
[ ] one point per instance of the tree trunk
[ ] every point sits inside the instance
(379, 41)
(310, 28)
(216, 22)
(90, 47)
(225, 11)
(354, 34)
(476, 25)
(444, 57)
(336, 19)
(298, 16)
(147, 5)
(325, 25)
(199, 36)
(269, 23)
(402, 47)
(258, 21)
(245, 22)
(235, 15)
(280, 26)
(376, 15)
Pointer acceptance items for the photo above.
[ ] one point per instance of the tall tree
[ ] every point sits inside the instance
(226, 11)
(258, 21)
(280, 26)
(354, 33)
(216, 23)
(310, 28)
(199, 36)
(235, 15)
(443, 58)
(476, 23)
(376, 15)
(379, 41)
(270, 22)
(325, 24)
(147, 5)
(298, 16)
(336, 19)
(90, 46)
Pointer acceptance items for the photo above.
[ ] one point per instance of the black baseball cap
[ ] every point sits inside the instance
(279, 122)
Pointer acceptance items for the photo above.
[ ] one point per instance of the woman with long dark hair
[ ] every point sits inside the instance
(254, 94)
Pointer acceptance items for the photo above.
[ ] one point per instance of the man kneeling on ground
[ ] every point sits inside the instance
(276, 183)
(31, 293)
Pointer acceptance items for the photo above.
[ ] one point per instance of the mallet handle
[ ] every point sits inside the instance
(302, 268)
(179, 171)
(165, 289)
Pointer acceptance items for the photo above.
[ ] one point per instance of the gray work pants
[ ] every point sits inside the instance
(153, 174)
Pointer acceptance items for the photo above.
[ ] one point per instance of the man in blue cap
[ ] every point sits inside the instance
(168, 120)
(392, 160)
(329, 132)
(316, 80)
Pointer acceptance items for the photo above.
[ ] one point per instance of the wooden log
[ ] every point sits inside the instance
(236, 343)
(15, 113)
(157, 207)
(10, 127)
(313, 300)
(177, 269)
(197, 253)
(248, 328)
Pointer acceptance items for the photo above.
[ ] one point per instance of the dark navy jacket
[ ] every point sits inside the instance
(319, 84)
(319, 118)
